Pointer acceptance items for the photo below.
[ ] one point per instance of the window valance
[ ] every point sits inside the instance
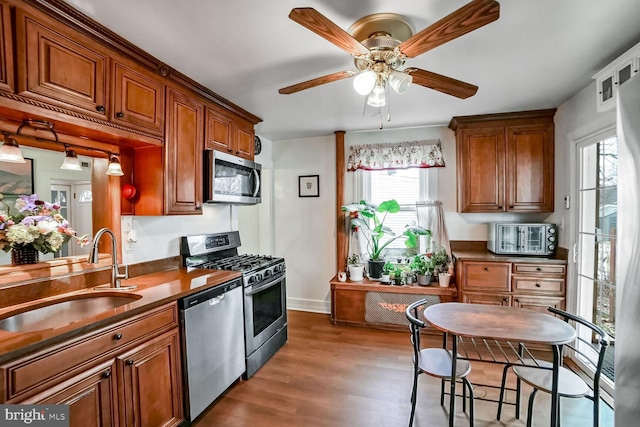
(399, 155)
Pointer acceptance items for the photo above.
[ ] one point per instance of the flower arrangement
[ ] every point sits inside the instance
(440, 259)
(37, 224)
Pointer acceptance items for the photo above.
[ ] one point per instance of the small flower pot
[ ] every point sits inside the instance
(443, 279)
(356, 273)
(385, 279)
(424, 279)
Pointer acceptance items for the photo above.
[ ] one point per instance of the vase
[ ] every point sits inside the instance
(24, 254)
(424, 279)
(375, 268)
(443, 279)
(356, 273)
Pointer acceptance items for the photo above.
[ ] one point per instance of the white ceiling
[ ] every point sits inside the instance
(536, 55)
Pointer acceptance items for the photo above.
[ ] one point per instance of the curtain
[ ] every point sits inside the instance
(627, 348)
(431, 217)
(401, 155)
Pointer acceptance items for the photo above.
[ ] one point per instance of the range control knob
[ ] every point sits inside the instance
(551, 247)
(552, 231)
(552, 239)
(267, 273)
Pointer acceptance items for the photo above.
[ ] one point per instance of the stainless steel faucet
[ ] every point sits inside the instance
(116, 277)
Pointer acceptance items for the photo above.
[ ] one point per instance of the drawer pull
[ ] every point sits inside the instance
(130, 362)
(100, 109)
(106, 374)
(486, 269)
(506, 299)
(117, 337)
(537, 285)
(119, 114)
(538, 269)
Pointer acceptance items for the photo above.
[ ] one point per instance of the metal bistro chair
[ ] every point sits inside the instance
(569, 383)
(435, 362)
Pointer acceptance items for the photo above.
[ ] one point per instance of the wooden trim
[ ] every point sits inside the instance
(341, 233)
(460, 121)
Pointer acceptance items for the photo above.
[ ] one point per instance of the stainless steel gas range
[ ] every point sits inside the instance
(264, 288)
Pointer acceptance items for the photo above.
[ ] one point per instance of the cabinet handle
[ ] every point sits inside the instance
(511, 207)
(506, 300)
(117, 337)
(516, 300)
(198, 207)
(100, 109)
(537, 285)
(130, 362)
(106, 374)
(538, 269)
(119, 114)
(486, 269)
(499, 207)
(229, 150)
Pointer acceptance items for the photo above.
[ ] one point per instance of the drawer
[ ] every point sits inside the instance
(485, 276)
(543, 285)
(539, 268)
(59, 362)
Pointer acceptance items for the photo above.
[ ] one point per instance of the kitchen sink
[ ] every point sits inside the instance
(60, 312)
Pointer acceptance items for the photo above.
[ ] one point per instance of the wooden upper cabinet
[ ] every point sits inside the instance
(6, 49)
(505, 162)
(138, 99)
(59, 66)
(184, 149)
(228, 133)
(245, 142)
(530, 168)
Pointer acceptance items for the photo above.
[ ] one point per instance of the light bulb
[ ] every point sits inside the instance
(364, 82)
(10, 151)
(377, 97)
(400, 81)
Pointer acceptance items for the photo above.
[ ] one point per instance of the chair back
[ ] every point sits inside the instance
(592, 350)
(415, 324)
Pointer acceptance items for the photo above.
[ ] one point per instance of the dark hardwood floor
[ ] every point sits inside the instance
(344, 376)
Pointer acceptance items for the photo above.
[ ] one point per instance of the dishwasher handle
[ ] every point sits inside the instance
(216, 300)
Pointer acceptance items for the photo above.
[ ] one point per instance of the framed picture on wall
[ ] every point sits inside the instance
(309, 186)
(16, 179)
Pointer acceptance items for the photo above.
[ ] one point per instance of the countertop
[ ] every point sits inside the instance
(154, 289)
(485, 255)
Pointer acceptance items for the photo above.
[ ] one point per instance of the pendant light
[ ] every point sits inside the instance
(71, 162)
(10, 151)
(114, 168)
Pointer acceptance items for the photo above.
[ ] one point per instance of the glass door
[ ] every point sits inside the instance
(596, 238)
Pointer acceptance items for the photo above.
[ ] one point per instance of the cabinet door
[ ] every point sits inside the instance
(138, 100)
(485, 276)
(245, 142)
(489, 299)
(151, 382)
(538, 303)
(6, 49)
(530, 168)
(219, 132)
(184, 146)
(59, 66)
(481, 170)
(91, 397)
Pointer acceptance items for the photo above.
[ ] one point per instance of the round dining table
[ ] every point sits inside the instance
(501, 323)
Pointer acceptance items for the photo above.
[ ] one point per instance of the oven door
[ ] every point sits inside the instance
(265, 311)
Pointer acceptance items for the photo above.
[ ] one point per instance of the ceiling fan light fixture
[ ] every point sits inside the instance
(10, 151)
(364, 82)
(400, 81)
(71, 162)
(377, 97)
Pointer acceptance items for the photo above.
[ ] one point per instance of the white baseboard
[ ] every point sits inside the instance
(312, 305)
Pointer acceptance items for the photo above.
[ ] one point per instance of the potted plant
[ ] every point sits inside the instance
(397, 275)
(441, 260)
(370, 220)
(422, 266)
(387, 268)
(356, 268)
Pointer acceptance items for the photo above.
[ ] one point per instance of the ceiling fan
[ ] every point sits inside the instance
(381, 43)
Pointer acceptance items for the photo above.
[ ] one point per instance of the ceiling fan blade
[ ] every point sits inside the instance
(464, 20)
(442, 83)
(317, 82)
(313, 20)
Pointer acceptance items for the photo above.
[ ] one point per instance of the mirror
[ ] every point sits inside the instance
(70, 189)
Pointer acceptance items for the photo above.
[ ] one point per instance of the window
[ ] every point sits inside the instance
(406, 186)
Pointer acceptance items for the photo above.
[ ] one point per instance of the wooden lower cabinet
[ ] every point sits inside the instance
(126, 374)
(530, 285)
(91, 397)
(151, 382)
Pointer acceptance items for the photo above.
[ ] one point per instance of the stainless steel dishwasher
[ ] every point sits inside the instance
(212, 343)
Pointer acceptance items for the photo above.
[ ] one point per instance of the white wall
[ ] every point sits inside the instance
(304, 229)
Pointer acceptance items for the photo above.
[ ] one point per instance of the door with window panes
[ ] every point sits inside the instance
(595, 247)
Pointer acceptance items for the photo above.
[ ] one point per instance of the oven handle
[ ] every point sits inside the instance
(253, 291)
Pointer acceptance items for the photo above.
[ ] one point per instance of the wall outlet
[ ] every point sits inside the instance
(567, 202)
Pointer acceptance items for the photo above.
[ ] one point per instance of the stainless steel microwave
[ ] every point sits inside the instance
(231, 179)
(522, 238)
